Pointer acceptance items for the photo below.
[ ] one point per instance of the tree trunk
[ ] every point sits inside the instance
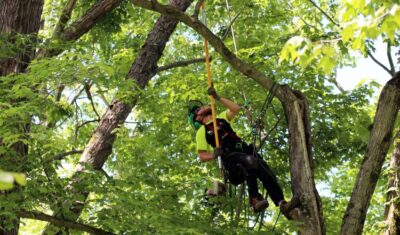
(142, 70)
(296, 110)
(378, 145)
(301, 163)
(392, 210)
(18, 17)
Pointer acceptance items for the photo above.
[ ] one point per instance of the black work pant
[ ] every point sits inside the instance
(242, 166)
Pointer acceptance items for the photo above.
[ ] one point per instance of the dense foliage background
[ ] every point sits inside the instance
(153, 183)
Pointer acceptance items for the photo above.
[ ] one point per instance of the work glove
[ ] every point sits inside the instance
(217, 152)
(211, 91)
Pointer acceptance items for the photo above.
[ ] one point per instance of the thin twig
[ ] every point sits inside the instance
(77, 127)
(323, 12)
(103, 98)
(61, 156)
(180, 64)
(229, 27)
(89, 95)
(77, 95)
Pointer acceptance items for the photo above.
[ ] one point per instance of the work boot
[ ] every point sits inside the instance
(259, 203)
(289, 209)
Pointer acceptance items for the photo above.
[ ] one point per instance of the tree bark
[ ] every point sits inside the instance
(392, 210)
(378, 145)
(296, 110)
(142, 70)
(18, 18)
(23, 17)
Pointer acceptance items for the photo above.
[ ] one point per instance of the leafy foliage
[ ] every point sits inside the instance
(153, 183)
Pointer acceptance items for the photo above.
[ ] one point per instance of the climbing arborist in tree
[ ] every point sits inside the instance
(240, 161)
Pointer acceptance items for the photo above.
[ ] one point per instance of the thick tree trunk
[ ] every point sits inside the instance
(18, 17)
(301, 163)
(142, 70)
(392, 210)
(378, 145)
(296, 109)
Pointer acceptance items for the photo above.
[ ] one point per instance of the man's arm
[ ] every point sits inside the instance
(233, 108)
(205, 156)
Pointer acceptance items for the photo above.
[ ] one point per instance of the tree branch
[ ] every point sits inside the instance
(82, 25)
(325, 14)
(65, 16)
(379, 63)
(62, 223)
(336, 83)
(87, 90)
(180, 64)
(77, 95)
(83, 124)
(229, 28)
(389, 55)
(61, 156)
(216, 42)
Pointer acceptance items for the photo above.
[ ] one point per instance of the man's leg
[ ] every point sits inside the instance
(270, 182)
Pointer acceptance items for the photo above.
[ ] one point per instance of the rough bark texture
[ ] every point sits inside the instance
(301, 163)
(378, 145)
(296, 109)
(392, 210)
(142, 70)
(18, 17)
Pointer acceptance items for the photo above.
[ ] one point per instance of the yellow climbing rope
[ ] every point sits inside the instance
(212, 101)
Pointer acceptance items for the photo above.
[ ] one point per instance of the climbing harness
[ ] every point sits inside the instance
(256, 127)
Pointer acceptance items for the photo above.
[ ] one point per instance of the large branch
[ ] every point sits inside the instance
(216, 42)
(296, 111)
(65, 16)
(377, 148)
(73, 32)
(62, 223)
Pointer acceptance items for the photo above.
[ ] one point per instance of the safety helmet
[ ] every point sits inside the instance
(193, 108)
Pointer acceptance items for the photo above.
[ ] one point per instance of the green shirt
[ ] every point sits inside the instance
(201, 141)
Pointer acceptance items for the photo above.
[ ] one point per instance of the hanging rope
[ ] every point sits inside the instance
(231, 25)
(257, 126)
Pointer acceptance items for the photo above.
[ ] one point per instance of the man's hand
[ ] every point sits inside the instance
(217, 152)
(213, 93)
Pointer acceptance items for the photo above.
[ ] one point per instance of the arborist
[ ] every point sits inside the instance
(240, 161)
